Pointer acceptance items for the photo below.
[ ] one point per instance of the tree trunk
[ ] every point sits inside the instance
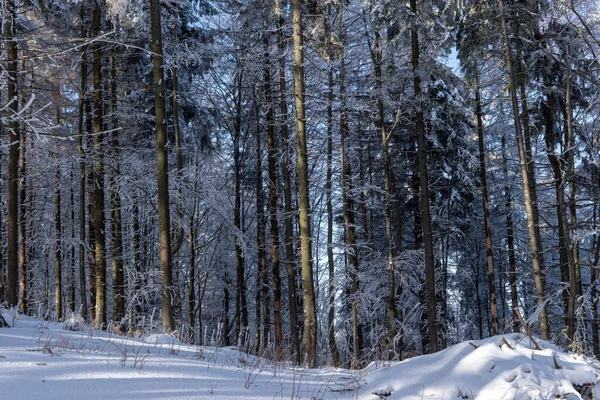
(115, 196)
(241, 307)
(287, 198)
(12, 229)
(390, 197)
(348, 210)
(574, 268)
(166, 267)
(335, 354)
(273, 207)
(426, 214)
(309, 338)
(510, 240)
(58, 244)
(556, 163)
(486, 208)
(533, 238)
(99, 220)
(23, 267)
(262, 277)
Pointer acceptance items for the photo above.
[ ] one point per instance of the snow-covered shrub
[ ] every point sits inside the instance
(75, 322)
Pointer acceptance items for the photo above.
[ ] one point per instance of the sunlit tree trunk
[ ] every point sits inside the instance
(287, 198)
(115, 197)
(309, 338)
(166, 267)
(99, 220)
(533, 239)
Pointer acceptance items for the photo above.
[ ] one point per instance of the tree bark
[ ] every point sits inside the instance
(424, 182)
(273, 206)
(162, 165)
(99, 220)
(486, 208)
(309, 338)
(12, 228)
(533, 238)
(115, 196)
(58, 244)
(335, 354)
(287, 199)
(348, 209)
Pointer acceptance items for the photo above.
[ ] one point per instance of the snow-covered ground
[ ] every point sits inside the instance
(42, 360)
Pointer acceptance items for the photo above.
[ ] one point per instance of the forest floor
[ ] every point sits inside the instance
(43, 360)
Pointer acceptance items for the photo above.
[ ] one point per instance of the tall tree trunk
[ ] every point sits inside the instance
(533, 238)
(287, 198)
(115, 196)
(574, 270)
(262, 277)
(137, 262)
(192, 280)
(273, 206)
(486, 208)
(335, 354)
(179, 163)
(82, 176)
(99, 220)
(390, 197)
(12, 228)
(241, 307)
(23, 267)
(309, 338)
(58, 244)
(424, 182)
(510, 240)
(166, 267)
(348, 209)
(556, 163)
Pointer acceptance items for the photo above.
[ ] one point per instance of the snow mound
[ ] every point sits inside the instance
(498, 368)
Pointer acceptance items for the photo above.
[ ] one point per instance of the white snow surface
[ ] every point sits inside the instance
(43, 360)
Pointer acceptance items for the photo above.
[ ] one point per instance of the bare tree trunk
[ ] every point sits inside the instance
(99, 220)
(348, 210)
(510, 239)
(23, 267)
(335, 354)
(390, 192)
(574, 270)
(82, 176)
(137, 262)
(12, 229)
(166, 267)
(287, 196)
(424, 182)
(262, 277)
(273, 207)
(533, 238)
(192, 279)
(309, 338)
(241, 307)
(58, 244)
(486, 208)
(115, 196)
(556, 163)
